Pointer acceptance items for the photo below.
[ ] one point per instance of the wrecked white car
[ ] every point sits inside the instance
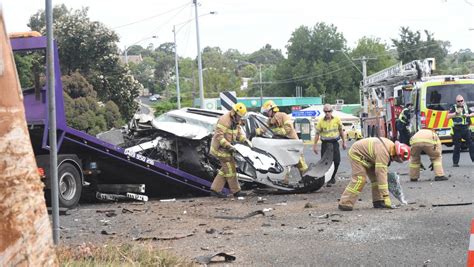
(181, 138)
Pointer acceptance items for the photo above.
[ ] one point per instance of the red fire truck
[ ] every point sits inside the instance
(386, 92)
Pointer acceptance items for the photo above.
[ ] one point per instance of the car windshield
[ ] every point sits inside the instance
(442, 97)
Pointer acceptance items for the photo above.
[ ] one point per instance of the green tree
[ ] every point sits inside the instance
(90, 47)
(75, 85)
(312, 66)
(266, 55)
(373, 48)
(411, 46)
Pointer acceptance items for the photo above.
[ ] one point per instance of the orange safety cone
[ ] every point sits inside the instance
(470, 252)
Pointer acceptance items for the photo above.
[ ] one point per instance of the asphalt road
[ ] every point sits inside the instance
(301, 230)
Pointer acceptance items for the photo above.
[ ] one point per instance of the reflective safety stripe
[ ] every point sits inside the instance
(414, 165)
(357, 187)
(215, 152)
(223, 142)
(279, 130)
(438, 163)
(358, 159)
(288, 122)
(227, 130)
(380, 165)
(375, 185)
(371, 148)
(423, 140)
(402, 116)
(383, 186)
(461, 119)
(230, 174)
(328, 129)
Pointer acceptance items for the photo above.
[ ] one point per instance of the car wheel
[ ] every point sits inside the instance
(70, 185)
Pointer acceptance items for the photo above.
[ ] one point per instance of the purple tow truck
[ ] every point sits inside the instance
(84, 160)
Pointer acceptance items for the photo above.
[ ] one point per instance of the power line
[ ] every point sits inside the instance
(152, 17)
(304, 78)
(172, 17)
(312, 76)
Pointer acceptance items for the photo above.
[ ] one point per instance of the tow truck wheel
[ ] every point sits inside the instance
(70, 185)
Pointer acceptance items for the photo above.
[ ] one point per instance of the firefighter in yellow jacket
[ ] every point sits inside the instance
(427, 141)
(281, 124)
(371, 157)
(228, 131)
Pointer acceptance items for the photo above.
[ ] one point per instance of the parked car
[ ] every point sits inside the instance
(354, 133)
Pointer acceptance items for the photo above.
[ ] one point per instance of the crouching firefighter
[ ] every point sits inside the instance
(371, 157)
(226, 132)
(281, 124)
(426, 140)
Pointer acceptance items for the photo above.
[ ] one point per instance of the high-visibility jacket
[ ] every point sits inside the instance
(281, 124)
(328, 130)
(460, 119)
(225, 133)
(371, 153)
(425, 136)
(404, 116)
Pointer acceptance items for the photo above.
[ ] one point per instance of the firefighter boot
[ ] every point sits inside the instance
(441, 178)
(345, 208)
(380, 204)
(240, 194)
(218, 194)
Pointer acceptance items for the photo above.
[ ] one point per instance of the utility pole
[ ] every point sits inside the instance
(178, 93)
(53, 148)
(364, 60)
(261, 85)
(201, 86)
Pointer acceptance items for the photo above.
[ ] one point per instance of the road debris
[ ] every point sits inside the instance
(395, 188)
(206, 259)
(104, 232)
(156, 238)
(121, 188)
(451, 204)
(251, 214)
(117, 197)
(210, 231)
(168, 200)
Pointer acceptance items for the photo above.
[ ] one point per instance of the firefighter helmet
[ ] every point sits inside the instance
(269, 105)
(240, 109)
(402, 151)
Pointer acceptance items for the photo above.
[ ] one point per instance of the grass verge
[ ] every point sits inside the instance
(118, 255)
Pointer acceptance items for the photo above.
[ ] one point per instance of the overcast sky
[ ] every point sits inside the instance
(247, 25)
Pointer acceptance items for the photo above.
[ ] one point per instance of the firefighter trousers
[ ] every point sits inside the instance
(433, 151)
(227, 173)
(359, 173)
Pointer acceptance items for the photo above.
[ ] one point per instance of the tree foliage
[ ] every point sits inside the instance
(90, 47)
(412, 46)
(83, 110)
